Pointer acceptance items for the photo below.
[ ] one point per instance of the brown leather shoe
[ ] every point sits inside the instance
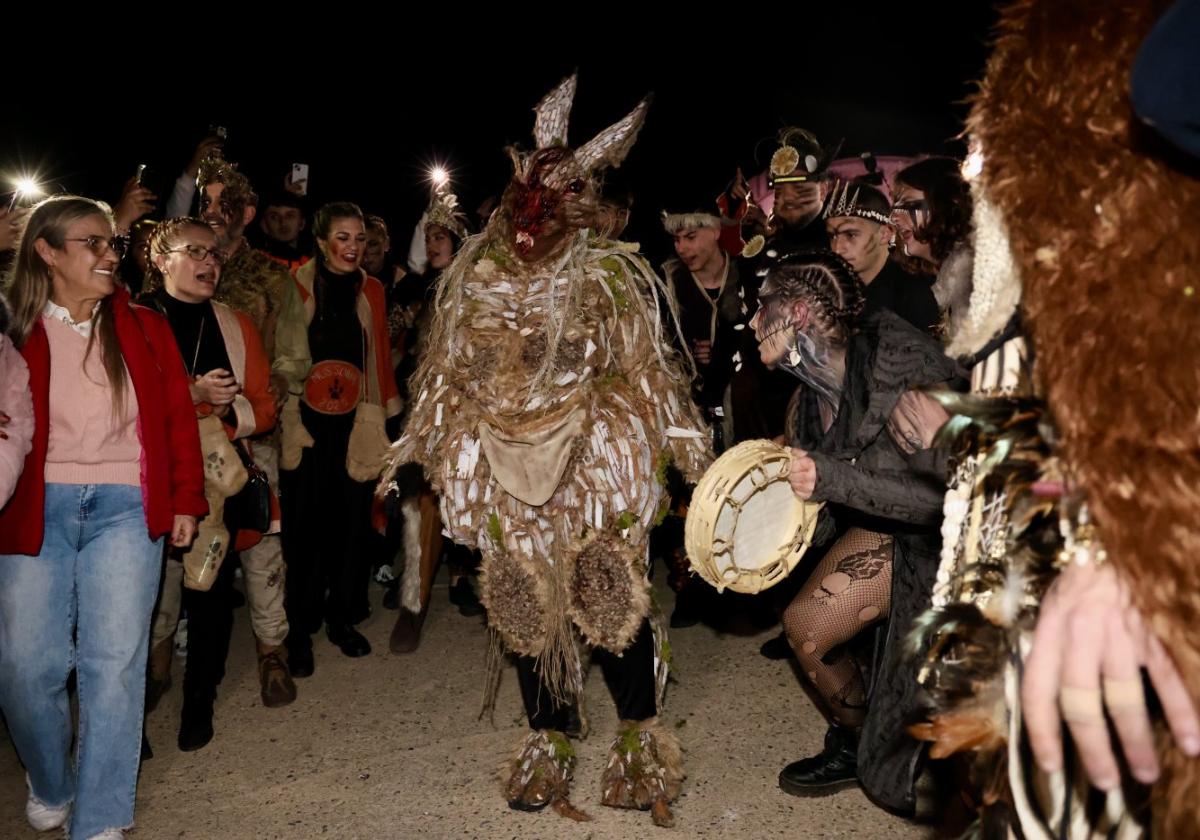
(406, 634)
(278, 689)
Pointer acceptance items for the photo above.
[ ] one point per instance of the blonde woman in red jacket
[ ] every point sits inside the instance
(332, 347)
(229, 372)
(115, 468)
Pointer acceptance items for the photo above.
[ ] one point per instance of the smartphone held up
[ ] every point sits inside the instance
(297, 179)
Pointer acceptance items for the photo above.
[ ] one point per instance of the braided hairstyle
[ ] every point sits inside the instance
(166, 234)
(827, 283)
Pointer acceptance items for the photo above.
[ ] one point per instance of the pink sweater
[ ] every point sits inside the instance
(86, 446)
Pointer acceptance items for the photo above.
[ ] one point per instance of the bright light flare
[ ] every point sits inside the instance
(28, 187)
(24, 188)
(973, 165)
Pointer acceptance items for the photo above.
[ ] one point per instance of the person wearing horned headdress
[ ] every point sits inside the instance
(859, 225)
(547, 410)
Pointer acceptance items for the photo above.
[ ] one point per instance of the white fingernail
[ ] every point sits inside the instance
(1191, 745)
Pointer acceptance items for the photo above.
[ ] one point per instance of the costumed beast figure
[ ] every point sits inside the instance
(548, 408)
(1068, 572)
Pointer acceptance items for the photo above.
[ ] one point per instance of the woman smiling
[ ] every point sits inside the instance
(333, 349)
(115, 467)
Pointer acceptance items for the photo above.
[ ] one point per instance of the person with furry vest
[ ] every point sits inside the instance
(1068, 589)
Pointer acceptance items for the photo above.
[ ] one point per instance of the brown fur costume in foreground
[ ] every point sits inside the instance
(1103, 233)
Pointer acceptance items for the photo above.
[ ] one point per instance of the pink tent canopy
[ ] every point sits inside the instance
(844, 168)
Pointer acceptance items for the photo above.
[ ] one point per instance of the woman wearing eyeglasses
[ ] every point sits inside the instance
(115, 469)
(931, 210)
(229, 370)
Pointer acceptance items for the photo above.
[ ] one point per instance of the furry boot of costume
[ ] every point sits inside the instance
(644, 771)
(540, 775)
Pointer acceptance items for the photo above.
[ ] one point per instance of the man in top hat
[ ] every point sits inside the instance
(798, 177)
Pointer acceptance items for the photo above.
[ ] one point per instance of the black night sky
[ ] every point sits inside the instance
(369, 122)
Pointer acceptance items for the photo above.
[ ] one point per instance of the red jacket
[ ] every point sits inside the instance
(172, 471)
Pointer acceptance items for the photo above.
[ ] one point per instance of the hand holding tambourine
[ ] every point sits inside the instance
(750, 521)
(802, 474)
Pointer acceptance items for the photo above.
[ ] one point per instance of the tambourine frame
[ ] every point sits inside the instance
(737, 476)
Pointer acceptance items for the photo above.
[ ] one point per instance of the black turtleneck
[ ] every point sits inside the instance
(335, 332)
(908, 295)
(196, 332)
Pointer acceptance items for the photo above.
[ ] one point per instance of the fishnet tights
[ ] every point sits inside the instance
(849, 590)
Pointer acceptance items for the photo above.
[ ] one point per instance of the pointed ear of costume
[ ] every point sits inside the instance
(554, 113)
(609, 147)
(518, 165)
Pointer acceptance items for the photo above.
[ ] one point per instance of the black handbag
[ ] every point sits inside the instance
(250, 508)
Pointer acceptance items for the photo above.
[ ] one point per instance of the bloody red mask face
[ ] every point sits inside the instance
(537, 207)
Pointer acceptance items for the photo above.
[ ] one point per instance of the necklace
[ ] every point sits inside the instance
(196, 353)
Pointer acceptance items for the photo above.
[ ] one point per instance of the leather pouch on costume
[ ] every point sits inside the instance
(294, 438)
(367, 449)
(223, 469)
(224, 476)
(529, 466)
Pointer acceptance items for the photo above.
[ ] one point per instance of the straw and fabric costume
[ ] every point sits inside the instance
(546, 411)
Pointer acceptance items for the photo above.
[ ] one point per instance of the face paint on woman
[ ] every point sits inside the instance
(802, 352)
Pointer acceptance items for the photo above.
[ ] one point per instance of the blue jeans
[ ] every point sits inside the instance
(83, 603)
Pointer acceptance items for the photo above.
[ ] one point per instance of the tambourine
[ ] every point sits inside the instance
(746, 529)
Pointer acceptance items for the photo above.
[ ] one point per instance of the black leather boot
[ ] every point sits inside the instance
(463, 596)
(196, 725)
(300, 654)
(834, 769)
(777, 647)
(688, 606)
(350, 641)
